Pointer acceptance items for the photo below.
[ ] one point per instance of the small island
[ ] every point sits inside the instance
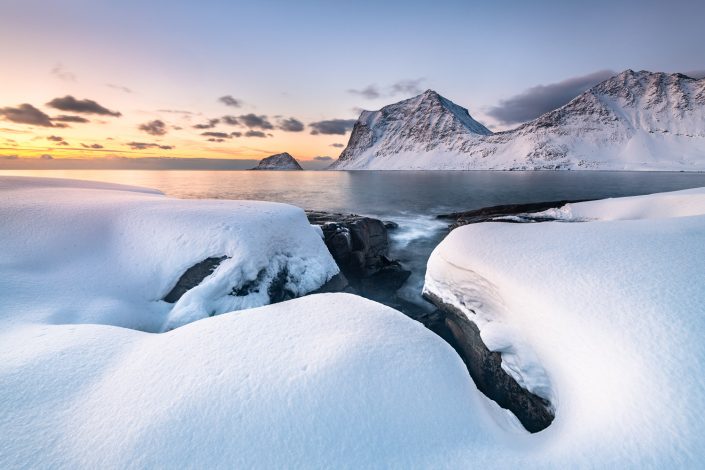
(280, 161)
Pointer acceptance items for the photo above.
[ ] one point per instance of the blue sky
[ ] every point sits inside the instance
(302, 59)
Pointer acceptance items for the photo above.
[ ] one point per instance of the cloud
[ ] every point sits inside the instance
(541, 99)
(71, 104)
(252, 133)
(323, 158)
(124, 89)
(68, 118)
(209, 125)
(62, 74)
(216, 140)
(407, 87)
(9, 157)
(156, 127)
(290, 125)
(236, 134)
(696, 74)
(231, 120)
(401, 87)
(253, 121)
(338, 146)
(332, 126)
(57, 139)
(144, 146)
(217, 135)
(370, 92)
(228, 100)
(26, 114)
(92, 146)
(176, 111)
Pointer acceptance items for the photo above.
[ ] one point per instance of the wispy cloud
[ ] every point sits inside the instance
(208, 125)
(401, 87)
(121, 88)
(60, 72)
(146, 145)
(228, 100)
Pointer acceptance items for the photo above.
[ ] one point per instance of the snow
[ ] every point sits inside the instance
(604, 316)
(633, 121)
(122, 249)
(327, 380)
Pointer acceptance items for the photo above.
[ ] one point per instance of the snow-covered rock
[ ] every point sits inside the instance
(632, 121)
(604, 316)
(280, 161)
(84, 252)
(328, 380)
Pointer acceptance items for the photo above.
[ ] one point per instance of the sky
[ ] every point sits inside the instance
(117, 80)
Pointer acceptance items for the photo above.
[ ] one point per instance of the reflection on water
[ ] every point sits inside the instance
(410, 198)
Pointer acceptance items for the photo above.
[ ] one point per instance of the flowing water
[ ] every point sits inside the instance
(410, 198)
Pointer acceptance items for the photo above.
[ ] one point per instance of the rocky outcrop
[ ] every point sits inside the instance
(360, 247)
(280, 161)
(485, 366)
(192, 277)
(491, 214)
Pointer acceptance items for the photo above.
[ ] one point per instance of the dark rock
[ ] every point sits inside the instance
(387, 279)
(485, 366)
(389, 225)
(359, 245)
(193, 277)
(488, 214)
(338, 283)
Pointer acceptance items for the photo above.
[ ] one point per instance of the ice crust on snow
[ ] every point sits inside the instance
(83, 252)
(610, 310)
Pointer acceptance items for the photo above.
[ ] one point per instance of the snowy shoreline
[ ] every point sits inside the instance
(602, 317)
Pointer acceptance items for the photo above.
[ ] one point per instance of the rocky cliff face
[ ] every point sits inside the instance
(632, 121)
(421, 124)
(280, 161)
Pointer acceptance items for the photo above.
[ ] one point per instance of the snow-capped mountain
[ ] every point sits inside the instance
(632, 121)
(280, 161)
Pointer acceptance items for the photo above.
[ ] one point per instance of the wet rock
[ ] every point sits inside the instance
(193, 277)
(485, 366)
(488, 214)
(359, 245)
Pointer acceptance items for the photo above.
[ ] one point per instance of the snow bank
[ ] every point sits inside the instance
(604, 316)
(328, 380)
(85, 252)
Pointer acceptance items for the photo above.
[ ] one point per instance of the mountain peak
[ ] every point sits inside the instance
(424, 122)
(633, 120)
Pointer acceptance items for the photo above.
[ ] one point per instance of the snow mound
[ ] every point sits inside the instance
(610, 310)
(321, 381)
(84, 252)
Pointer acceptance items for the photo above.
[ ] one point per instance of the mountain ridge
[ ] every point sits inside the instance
(631, 121)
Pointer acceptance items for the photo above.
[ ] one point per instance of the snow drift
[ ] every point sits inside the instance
(609, 309)
(83, 252)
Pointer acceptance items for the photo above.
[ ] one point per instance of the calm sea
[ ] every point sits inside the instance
(410, 198)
